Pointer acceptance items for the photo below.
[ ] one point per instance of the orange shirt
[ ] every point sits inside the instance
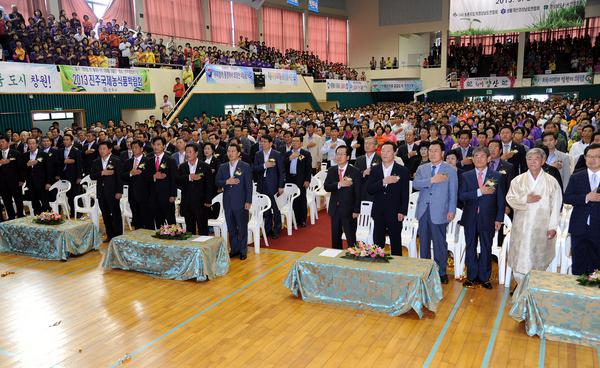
(114, 40)
(178, 88)
(20, 53)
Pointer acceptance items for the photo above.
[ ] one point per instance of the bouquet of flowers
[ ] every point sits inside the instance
(49, 218)
(367, 252)
(592, 279)
(172, 232)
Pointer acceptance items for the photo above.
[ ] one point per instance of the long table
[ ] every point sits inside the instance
(393, 288)
(556, 307)
(53, 242)
(169, 259)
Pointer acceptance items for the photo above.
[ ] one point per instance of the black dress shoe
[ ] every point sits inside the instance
(243, 257)
(275, 236)
(302, 225)
(487, 285)
(469, 283)
(444, 279)
(231, 255)
(513, 290)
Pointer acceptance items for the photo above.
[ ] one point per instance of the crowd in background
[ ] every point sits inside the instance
(470, 61)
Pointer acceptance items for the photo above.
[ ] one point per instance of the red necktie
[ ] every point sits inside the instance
(157, 163)
(340, 174)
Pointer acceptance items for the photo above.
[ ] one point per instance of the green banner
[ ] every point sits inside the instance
(103, 80)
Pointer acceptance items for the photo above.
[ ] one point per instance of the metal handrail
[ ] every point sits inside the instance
(183, 100)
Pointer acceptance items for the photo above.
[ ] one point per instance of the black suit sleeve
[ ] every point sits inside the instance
(356, 186)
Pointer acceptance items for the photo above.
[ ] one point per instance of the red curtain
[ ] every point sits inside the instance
(163, 17)
(80, 7)
(26, 7)
(292, 30)
(338, 41)
(220, 21)
(245, 22)
(121, 10)
(317, 36)
(273, 27)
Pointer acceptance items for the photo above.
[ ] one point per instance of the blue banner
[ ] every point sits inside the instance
(313, 5)
(293, 2)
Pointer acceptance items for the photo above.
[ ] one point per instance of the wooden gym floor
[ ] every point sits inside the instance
(73, 314)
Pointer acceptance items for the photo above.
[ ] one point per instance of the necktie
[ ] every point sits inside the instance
(340, 174)
(480, 178)
(136, 162)
(157, 163)
(432, 170)
(594, 181)
(491, 165)
(506, 148)
(293, 166)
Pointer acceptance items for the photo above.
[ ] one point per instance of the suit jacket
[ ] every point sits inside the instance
(171, 148)
(390, 200)
(164, 188)
(361, 165)
(506, 169)
(411, 163)
(22, 148)
(52, 162)
(89, 158)
(555, 173)
(518, 160)
(481, 210)
(235, 196)
(275, 177)
(40, 174)
(12, 173)
(441, 196)
(124, 155)
(459, 157)
(108, 186)
(195, 193)
(214, 165)
(139, 187)
(360, 150)
(303, 168)
(70, 172)
(578, 188)
(565, 171)
(175, 156)
(119, 147)
(343, 201)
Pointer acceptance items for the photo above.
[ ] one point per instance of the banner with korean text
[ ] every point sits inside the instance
(103, 80)
(280, 77)
(487, 82)
(396, 85)
(33, 78)
(338, 85)
(568, 79)
(226, 74)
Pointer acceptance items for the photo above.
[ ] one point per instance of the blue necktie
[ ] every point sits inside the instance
(293, 165)
(432, 170)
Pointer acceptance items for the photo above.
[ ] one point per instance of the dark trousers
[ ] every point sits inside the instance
(237, 226)
(479, 267)
(393, 228)
(272, 217)
(585, 252)
(140, 218)
(300, 206)
(10, 193)
(196, 220)
(111, 216)
(429, 232)
(345, 223)
(162, 212)
(71, 194)
(38, 198)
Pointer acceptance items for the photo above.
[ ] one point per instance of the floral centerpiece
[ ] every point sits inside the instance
(172, 232)
(591, 279)
(367, 252)
(49, 218)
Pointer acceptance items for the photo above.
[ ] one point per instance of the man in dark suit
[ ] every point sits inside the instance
(483, 194)
(584, 226)
(464, 152)
(513, 152)
(160, 172)
(89, 147)
(409, 152)
(106, 170)
(269, 171)
(179, 154)
(366, 163)
(298, 165)
(11, 179)
(388, 184)
(127, 153)
(235, 177)
(138, 187)
(195, 178)
(70, 168)
(119, 143)
(343, 181)
(37, 176)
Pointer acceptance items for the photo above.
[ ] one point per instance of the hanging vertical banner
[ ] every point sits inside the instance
(293, 2)
(313, 5)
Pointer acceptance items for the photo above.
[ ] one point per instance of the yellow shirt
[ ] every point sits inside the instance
(102, 61)
(141, 56)
(188, 76)
(93, 60)
(150, 58)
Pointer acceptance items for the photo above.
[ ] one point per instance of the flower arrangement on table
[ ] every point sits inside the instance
(367, 252)
(172, 232)
(590, 279)
(49, 218)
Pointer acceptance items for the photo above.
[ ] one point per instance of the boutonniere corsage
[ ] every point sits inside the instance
(237, 172)
(11, 159)
(40, 159)
(374, 164)
(49, 154)
(347, 178)
(503, 172)
(514, 152)
(272, 160)
(163, 166)
(301, 157)
(490, 183)
(109, 167)
(216, 155)
(142, 165)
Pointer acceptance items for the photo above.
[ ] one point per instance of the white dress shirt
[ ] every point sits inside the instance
(105, 162)
(232, 166)
(192, 168)
(387, 171)
(5, 154)
(32, 155)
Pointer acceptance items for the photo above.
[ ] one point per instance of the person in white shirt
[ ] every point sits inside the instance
(577, 148)
(331, 146)
(166, 106)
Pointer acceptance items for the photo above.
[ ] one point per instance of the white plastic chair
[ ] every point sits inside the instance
(87, 184)
(364, 224)
(87, 204)
(62, 202)
(311, 199)
(500, 251)
(455, 237)
(219, 224)
(566, 262)
(126, 214)
(260, 204)
(324, 166)
(285, 203)
(27, 204)
(562, 238)
(321, 192)
(179, 220)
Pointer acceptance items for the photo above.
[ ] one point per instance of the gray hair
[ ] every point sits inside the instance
(485, 150)
(536, 151)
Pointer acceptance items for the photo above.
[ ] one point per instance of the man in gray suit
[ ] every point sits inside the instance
(560, 160)
(437, 183)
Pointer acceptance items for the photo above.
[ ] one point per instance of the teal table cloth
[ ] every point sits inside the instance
(52, 242)
(168, 259)
(393, 288)
(556, 307)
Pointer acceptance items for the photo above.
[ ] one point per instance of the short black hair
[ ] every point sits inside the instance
(549, 134)
(439, 143)
(467, 132)
(346, 149)
(108, 144)
(236, 146)
(267, 138)
(192, 145)
(161, 139)
(389, 143)
(138, 143)
(509, 127)
(588, 126)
